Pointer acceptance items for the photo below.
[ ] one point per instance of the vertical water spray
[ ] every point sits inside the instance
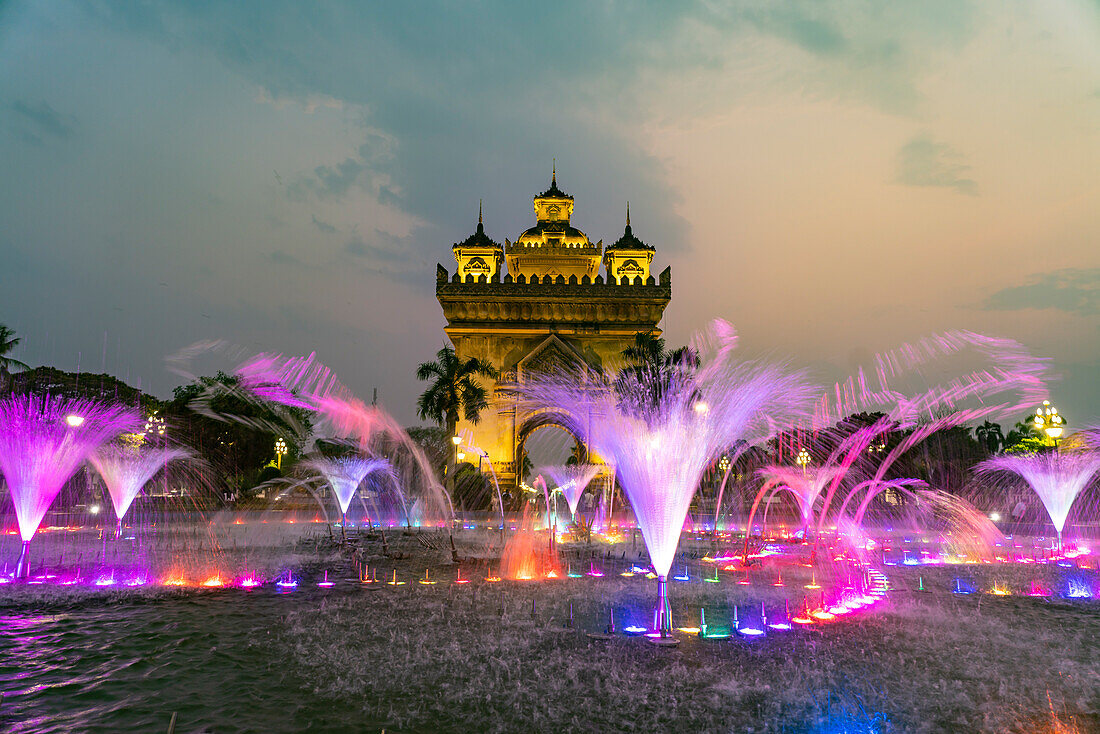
(805, 484)
(572, 479)
(43, 441)
(126, 469)
(663, 428)
(1057, 477)
(344, 474)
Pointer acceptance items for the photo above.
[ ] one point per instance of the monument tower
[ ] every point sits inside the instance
(551, 310)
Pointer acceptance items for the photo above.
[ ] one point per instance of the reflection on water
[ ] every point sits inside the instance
(216, 659)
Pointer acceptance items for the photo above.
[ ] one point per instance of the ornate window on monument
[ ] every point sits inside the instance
(477, 266)
(630, 269)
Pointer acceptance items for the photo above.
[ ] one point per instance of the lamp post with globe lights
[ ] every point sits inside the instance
(802, 459)
(280, 452)
(1049, 422)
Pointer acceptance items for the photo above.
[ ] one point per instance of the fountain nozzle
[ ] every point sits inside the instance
(662, 615)
(23, 567)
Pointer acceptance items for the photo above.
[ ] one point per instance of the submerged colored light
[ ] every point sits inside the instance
(214, 582)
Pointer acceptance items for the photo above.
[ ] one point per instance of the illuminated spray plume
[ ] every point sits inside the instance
(572, 480)
(804, 484)
(43, 441)
(662, 429)
(1057, 477)
(126, 470)
(993, 378)
(344, 474)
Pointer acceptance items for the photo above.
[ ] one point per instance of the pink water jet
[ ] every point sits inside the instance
(43, 441)
(805, 484)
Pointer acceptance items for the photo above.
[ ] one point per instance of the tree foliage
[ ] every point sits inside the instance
(8, 342)
(238, 451)
(651, 371)
(453, 389)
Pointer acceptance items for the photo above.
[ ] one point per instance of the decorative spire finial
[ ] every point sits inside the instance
(479, 211)
(628, 213)
(554, 176)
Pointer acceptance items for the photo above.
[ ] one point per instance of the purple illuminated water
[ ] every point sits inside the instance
(662, 431)
(43, 441)
(804, 483)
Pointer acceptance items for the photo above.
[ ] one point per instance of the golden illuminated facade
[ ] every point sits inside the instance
(552, 310)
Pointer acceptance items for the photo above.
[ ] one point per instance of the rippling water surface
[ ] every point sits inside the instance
(220, 660)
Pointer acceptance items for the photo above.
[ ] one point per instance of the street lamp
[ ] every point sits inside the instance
(802, 459)
(154, 424)
(280, 451)
(1048, 421)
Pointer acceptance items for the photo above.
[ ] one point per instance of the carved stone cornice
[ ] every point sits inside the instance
(590, 305)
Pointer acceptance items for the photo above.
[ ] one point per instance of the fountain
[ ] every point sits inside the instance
(572, 479)
(43, 441)
(303, 382)
(344, 474)
(125, 470)
(662, 430)
(805, 484)
(522, 559)
(1056, 476)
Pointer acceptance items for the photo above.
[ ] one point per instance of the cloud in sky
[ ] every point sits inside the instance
(37, 121)
(925, 162)
(322, 226)
(1071, 290)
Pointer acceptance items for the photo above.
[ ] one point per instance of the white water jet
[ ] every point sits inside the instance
(572, 480)
(1057, 477)
(126, 470)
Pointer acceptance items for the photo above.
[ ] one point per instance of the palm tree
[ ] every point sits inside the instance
(652, 370)
(8, 342)
(453, 389)
(989, 435)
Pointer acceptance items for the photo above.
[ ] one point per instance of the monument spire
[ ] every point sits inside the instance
(479, 202)
(554, 174)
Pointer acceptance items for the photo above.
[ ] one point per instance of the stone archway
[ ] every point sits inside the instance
(546, 420)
